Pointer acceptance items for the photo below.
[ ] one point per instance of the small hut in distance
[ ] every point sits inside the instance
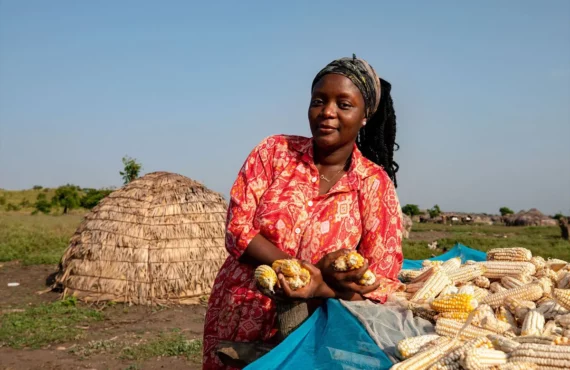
(159, 239)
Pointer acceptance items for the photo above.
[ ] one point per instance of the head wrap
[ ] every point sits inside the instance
(361, 74)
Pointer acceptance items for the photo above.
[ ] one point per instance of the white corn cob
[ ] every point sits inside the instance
(451, 264)
(466, 273)
(551, 309)
(485, 318)
(450, 289)
(496, 287)
(509, 254)
(425, 275)
(546, 284)
(414, 287)
(429, 263)
(466, 289)
(563, 281)
(518, 307)
(555, 264)
(498, 269)
(432, 287)
(531, 292)
(410, 346)
(407, 275)
(563, 297)
(536, 339)
(543, 355)
(547, 272)
(538, 262)
(426, 358)
(483, 358)
(563, 320)
(533, 323)
(516, 366)
(504, 315)
(512, 282)
(551, 329)
(482, 282)
(503, 343)
(480, 293)
(450, 328)
(451, 360)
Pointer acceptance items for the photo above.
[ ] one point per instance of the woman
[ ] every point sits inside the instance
(313, 199)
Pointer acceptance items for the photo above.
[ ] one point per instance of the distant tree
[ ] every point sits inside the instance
(131, 169)
(505, 211)
(38, 187)
(92, 197)
(558, 216)
(66, 196)
(411, 210)
(434, 212)
(42, 204)
(46, 190)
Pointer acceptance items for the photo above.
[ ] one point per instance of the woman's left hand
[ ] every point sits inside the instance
(316, 288)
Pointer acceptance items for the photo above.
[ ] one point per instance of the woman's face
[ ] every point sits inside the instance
(336, 113)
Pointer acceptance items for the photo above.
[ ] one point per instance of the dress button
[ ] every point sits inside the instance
(314, 179)
(297, 231)
(310, 203)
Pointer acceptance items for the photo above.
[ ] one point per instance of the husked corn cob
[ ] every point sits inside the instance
(266, 277)
(509, 254)
(414, 287)
(483, 358)
(305, 276)
(454, 315)
(467, 289)
(450, 328)
(480, 293)
(512, 282)
(450, 289)
(530, 292)
(288, 267)
(549, 273)
(429, 263)
(538, 262)
(295, 282)
(367, 279)
(547, 285)
(496, 287)
(426, 358)
(551, 329)
(451, 359)
(425, 275)
(451, 264)
(407, 275)
(354, 260)
(432, 287)
(466, 273)
(484, 318)
(516, 366)
(422, 311)
(454, 302)
(563, 281)
(410, 346)
(498, 269)
(542, 355)
(503, 343)
(555, 264)
(563, 320)
(519, 308)
(536, 339)
(533, 323)
(482, 282)
(563, 297)
(504, 315)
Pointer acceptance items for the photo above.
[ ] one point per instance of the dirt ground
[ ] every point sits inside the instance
(122, 323)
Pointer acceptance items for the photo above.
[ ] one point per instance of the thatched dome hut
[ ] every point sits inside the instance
(159, 239)
(532, 217)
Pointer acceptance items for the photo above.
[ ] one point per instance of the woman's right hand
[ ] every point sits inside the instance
(344, 281)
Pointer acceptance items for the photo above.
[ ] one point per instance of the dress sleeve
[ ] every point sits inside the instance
(381, 241)
(252, 181)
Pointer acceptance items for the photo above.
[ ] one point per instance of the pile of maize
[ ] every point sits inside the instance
(509, 312)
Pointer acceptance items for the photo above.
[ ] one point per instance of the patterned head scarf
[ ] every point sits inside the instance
(361, 74)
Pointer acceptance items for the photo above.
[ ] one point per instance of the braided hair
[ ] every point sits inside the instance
(377, 140)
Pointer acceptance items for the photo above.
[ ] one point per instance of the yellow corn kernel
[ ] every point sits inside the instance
(305, 276)
(453, 315)
(454, 302)
(367, 279)
(288, 267)
(266, 277)
(350, 261)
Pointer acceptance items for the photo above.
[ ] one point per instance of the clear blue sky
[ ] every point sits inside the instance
(481, 89)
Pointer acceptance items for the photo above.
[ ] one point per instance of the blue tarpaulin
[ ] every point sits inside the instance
(332, 338)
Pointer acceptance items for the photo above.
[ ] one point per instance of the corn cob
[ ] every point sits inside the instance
(538, 262)
(480, 294)
(429, 263)
(266, 277)
(516, 366)
(555, 264)
(509, 254)
(451, 359)
(535, 339)
(551, 309)
(451, 264)
(482, 282)
(530, 292)
(562, 341)
(551, 329)
(563, 320)
(518, 307)
(547, 285)
(451, 328)
(512, 282)
(454, 315)
(294, 282)
(466, 273)
(543, 355)
(485, 318)
(410, 346)
(422, 311)
(305, 276)
(406, 276)
(454, 302)
(432, 287)
(450, 289)
(368, 278)
(549, 273)
(426, 358)
(402, 295)
(533, 323)
(563, 297)
(498, 269)
(504, 315)
(467, 289)
(288, 267)
(503, 343)
(483, 358)
(563, 281)
(496, 287)
(425, 275)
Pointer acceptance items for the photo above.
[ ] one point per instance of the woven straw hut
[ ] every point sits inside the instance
(532, 217)
(159, 239)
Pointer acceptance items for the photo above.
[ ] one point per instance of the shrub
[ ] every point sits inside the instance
(38, 187)
(92, 197)
(505, 211)
(411, 210)
(12, 207)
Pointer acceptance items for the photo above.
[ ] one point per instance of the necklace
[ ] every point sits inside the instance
(327, 180)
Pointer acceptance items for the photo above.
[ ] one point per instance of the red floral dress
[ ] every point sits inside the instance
(277, 194)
